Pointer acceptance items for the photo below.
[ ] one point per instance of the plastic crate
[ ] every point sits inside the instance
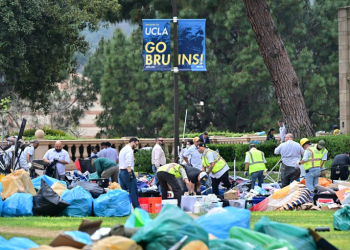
(151, 204)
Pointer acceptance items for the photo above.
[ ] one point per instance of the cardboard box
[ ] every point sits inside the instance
(325, 208)
(231, 195)
(335, 185)
(63, 240)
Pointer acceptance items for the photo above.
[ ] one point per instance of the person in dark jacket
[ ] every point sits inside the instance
(340, 167)
(204, 137)
(271, 135)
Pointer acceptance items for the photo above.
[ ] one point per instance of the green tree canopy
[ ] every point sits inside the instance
(237, 89)
(38, 39)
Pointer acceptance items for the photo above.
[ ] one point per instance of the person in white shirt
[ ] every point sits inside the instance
(110, 153)
(58, 153)
(94, 152)
(282, 130)
(158, 158)
(127, 178)
(291, 152)
(29, 152)
(196, 158)
(103, 147)
(181, 156)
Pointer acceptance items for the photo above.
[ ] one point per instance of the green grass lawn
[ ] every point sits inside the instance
(43, 229)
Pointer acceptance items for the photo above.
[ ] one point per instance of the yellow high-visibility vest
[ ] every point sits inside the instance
(171, 168)
(315, 157)
(256, 161)
(219, 162)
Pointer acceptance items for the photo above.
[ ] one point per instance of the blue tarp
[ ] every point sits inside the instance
(80, 202)
(18, 204)
(80, 237)
(50, 181)
(219, 224)
(16, 243)
(115, 203)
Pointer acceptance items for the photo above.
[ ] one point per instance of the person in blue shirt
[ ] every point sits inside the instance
(204, 137)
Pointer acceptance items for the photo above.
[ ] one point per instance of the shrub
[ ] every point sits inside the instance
(230, 151)
(270, 163)
(143, 161)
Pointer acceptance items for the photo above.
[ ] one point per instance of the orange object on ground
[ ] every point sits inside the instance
(321, 181)
(152, 205)
(18, 181)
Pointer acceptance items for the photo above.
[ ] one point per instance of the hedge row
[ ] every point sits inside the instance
(334, 144)
(231, 151)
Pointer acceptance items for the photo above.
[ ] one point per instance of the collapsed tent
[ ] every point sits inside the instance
(288, 198)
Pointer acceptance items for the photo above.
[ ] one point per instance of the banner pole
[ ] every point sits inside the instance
(176, 79)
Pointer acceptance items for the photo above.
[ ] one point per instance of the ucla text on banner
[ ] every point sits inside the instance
(192, 45)
(156, 45)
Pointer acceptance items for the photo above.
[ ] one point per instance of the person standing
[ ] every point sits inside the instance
(324, 152)
(110, 153)
(204, 137)
(103, 147)
(192, 151)
(290, 152)
(62, 157)
(312, 162)
(127, 178)
(271, 135)
(255, 162)
(181, 156)
(282, 130)
(29, 152)
(168, 175)
(105, 168)
(158, 157)
(215, 166)
(340, 167)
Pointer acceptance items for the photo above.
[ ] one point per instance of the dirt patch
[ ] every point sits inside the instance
(23, 231)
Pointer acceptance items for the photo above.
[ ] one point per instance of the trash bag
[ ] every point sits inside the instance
(50, 181)
(94, 189)
(231, 244)
(115, 203)
(17, 243)
(264, 241)
(50, 170)
(116, 243)
(138, 218)
(58, 188)
(18, 204)
(297, 236)
(244, 186)
(80, 237)
(93, 176)
(341, 219)
(80, 202)
(219, 224)
(195, 245)
(32, 173)
(47, 202)
(168, 228)
(17, 181)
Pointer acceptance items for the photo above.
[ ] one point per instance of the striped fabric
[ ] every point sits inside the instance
(288, 198)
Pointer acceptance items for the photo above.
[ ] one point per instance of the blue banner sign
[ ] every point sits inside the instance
(192, 45)
(156, 45)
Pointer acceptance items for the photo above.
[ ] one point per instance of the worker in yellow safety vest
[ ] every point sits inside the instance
(312, 163)
(215, 166)
(255, 162)
(169, 174)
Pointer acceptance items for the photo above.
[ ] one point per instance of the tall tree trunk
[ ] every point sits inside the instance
(284, 78)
